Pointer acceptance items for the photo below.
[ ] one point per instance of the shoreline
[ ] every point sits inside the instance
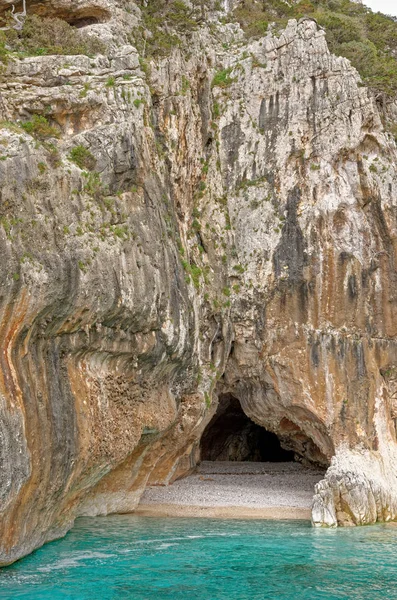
(278, 513)
(236, 490)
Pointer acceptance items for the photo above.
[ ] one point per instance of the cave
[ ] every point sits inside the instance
(232, 436)
(80, 22)
(89, 15)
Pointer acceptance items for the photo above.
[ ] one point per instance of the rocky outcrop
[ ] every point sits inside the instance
(232, 233)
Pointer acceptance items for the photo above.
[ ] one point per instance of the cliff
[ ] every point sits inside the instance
(217, 218)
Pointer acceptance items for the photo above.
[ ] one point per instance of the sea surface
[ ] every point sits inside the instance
(208, 559)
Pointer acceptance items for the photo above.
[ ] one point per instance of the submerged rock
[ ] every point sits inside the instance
(217, 220)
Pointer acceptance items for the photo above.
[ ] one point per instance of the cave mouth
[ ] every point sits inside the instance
(80, 22)
(232, 436)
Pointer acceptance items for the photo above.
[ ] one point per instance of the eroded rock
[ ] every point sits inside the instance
(235, 239)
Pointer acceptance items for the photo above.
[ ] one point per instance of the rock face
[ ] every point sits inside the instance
(236, 235)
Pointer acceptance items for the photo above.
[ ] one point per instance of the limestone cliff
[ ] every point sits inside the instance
(218, 220)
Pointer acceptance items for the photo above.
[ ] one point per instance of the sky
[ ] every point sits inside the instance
(388, 7)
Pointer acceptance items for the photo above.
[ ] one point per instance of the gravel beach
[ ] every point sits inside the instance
(236, 490)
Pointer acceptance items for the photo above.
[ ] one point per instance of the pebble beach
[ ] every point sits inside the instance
(236, 490)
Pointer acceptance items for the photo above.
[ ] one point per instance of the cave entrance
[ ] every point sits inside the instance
(232, 436)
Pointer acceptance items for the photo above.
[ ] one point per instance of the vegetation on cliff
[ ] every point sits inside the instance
(44, 35)
(163, 24)
(367, 39)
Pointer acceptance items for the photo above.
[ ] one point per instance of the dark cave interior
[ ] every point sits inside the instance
(232, 436)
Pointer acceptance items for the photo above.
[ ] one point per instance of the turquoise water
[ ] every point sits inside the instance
(205, 559)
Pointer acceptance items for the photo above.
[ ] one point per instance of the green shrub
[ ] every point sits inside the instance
(193, 271)
(45, 35)
(185, 85)
(340, 28)
(222, 78)
(216, 110)
(94, 186)
(40, 128)
(3, 50)
(166, 21)
(239, 268)
(378, 70)
(84, 92)
(254, 17)
(121, 231)
(82, 158)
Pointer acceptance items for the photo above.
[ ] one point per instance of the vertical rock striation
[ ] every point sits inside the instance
(232, 233)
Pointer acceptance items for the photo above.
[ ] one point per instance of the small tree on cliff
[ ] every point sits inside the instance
(19, 18)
